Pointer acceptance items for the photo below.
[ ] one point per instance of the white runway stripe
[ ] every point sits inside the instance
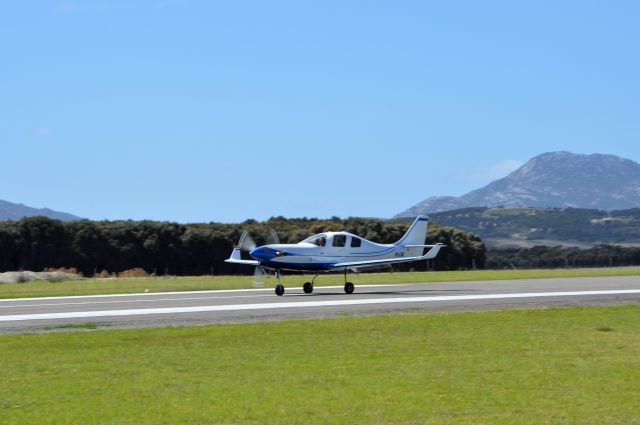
(208, 291)
(152, 300)
(303, 304)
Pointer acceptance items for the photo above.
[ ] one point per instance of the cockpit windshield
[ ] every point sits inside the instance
(319, 240)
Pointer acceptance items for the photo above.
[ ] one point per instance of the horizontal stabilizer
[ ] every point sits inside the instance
(418, 246)
(236, 258)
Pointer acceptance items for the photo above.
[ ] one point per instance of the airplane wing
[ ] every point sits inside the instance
(431, 254)
(237, 259)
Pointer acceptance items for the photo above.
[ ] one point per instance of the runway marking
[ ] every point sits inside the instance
(136, 301)
(209, 291)
(303, 304)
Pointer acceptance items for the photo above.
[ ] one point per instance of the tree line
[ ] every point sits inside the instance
(557, 257)
(36, 243)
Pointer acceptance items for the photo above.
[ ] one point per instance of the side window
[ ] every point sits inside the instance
(356, 242)
(320, 241)
(339, 240)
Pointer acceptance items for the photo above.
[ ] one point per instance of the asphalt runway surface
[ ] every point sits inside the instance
(232, 306)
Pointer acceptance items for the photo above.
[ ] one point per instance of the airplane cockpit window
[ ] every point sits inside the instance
(356, 242)
(339, 240)
(319, 240)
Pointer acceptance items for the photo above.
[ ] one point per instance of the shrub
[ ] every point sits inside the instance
(103, 275)
(136, 272)
(71, 270)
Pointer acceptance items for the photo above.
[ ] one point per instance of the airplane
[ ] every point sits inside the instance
(336, 252)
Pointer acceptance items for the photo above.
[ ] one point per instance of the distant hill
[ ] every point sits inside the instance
(539, 226)
(10, 211)
(552, 180)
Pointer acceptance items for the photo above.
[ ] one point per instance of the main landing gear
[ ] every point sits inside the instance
(348, 286)
(308, 286)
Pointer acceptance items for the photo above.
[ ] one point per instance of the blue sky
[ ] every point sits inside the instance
(223, 111)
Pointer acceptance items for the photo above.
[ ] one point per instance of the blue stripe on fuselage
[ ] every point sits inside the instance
(297, 266)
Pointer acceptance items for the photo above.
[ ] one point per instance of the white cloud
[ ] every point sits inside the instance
(41, 132)
(490, 172)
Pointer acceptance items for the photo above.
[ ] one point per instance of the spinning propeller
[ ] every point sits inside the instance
(248, 244)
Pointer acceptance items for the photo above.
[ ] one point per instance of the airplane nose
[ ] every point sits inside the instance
(261, 253)
(255, 253)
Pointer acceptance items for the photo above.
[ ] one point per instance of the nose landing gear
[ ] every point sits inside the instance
(308, 286)
(348, 288)
(279, 287)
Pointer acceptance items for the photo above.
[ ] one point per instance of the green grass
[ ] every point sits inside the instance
(164, 284)
(552, 366)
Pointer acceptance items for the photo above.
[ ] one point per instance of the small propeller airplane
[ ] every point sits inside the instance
(333, 252)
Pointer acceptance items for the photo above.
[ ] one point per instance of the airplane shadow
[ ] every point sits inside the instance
(417, 292)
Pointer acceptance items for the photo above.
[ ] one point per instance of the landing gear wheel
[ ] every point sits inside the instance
(307, 287)
(279, 290)
(348, 288)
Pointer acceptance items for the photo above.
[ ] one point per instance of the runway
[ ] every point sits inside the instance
(203, 307)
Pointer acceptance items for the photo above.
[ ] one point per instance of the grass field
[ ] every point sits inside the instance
(164, 284)
(556, 366)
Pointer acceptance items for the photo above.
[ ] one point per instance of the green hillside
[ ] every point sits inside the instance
(544, 224)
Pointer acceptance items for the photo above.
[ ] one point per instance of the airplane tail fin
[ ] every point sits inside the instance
(416, 235)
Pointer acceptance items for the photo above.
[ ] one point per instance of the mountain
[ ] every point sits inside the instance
(552, 180)
(10, 211)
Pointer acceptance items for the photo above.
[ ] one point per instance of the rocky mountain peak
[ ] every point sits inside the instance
(11, 211)
(553, 179)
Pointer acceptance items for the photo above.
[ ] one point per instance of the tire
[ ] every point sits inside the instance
(348, 288)
(307, 287)
(279, 290)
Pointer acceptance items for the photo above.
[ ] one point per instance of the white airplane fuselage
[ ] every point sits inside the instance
(331, 250)
(307, 256)
(338, 251)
